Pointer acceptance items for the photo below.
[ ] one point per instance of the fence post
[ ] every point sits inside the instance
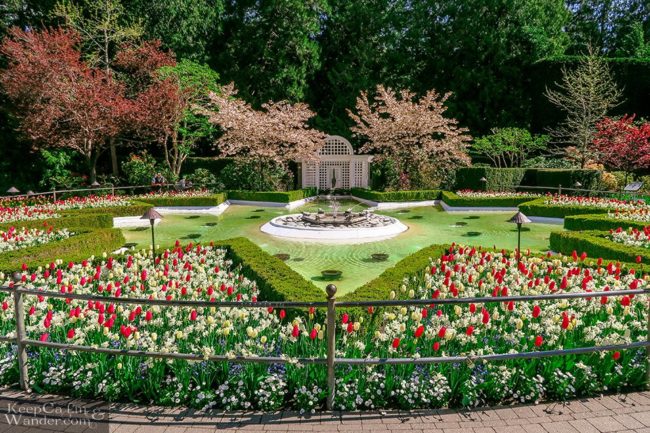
(331, 344)
(21, 335)
(54, 193)
(559, 189)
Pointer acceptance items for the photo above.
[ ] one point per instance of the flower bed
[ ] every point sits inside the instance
(602, 222)
(205, 273)
(468, 198)
(495, 194)
(597, 244)
(14, 239)
(36, 208)
(632, 237)
(638, 215)
(596, 202)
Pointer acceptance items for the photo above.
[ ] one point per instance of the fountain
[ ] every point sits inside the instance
(347, 226)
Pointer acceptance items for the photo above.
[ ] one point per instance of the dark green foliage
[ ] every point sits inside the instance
(210, 200)
(73, 249)
(432, 194)
(213, 165)
(538, 208)
(510, 179)
(598, 222)
(596, 245)
(133, 209)
(256, 175)
(277, 197)
(276, 280)
(454, 200)
(392, 278)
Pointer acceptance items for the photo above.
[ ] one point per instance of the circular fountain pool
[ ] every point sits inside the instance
(340, 227)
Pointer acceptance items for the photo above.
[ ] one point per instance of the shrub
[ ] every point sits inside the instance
(431, 194)
(209, 200)
(270, 196)
(202, 178)
(453, 199)
(276, 280)
(598, 222)
(133, 209)
(510, 179)
(75, 248)
(254, 176)
(596, 245)
(392, 278)
(140, 169)
(212, 165)
(539, 208)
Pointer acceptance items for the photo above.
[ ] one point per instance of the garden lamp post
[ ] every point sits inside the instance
(152, 216)
(95, 184)
(483, 181)
(519, 219)
(13, 190)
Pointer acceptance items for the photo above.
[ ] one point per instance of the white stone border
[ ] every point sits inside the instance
(448, 208)
(289, 206)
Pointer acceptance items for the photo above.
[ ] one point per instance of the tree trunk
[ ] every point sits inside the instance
(116, 171)
(92, 168)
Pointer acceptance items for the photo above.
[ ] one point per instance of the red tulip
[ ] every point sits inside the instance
(283, 314)
(313, 334)
(44, 336)
(296, 331)
(616, 355)
(436, 346)
(193, 315)
(536, 311)
(442, 332)
(419, 331)
(350, 328)
(538, 341)
(638, 259)
(345, 318)
(565, 322)
(472, 308)
(395, 343)
(625, 301)
(71, 333)
(470, 330)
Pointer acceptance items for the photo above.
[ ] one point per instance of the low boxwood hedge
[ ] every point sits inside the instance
(388, 196)
(132, 209)
(70, 221)
(539, 208)
(392, 278)
(75, 248)
(595, 244)
(276, 280)
(453, 199)
(599, 222)
(271, 196)
(208, 200)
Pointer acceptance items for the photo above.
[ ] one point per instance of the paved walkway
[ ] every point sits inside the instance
(23, 413)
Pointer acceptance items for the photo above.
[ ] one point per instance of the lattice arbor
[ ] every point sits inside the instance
(336, 166)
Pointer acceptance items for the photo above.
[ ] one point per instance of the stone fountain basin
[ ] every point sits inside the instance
(338, 233)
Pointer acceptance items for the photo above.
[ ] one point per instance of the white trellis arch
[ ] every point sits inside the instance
(336, 166)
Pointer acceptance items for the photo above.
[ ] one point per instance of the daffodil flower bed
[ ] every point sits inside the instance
(640, 215)
(34, 208)
(197, 272)
(495, 194)
(597, 202)
(175, 194)
(632, 237)
(15, 239)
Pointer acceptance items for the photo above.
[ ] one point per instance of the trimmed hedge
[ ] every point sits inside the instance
(133, 209)
(453, 199)
(392, 278)
(75, 248)
(599, 222)
(271, 196)
(538, 208)
(276, 281)
(389, 196)
(595, 244)
(510, 179)
(210, 200)
(71, 222)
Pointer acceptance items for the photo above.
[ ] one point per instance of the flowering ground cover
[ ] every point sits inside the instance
(640, 215)
(495, 194)
(40, 207)
(596, 202)
(15, 239)
(196, 272)
(632, 237)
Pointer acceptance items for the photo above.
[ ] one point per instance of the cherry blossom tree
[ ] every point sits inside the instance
(278, 132)
(623, 144)
(59, 99)
(412, 132)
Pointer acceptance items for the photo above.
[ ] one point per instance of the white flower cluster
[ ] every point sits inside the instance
(14, 239)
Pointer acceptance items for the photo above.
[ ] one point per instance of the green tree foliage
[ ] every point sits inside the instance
(509, 147)
(269, 48)
(187, 27)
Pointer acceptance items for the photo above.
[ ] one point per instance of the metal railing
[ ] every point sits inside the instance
(22, 342)
(57, 193)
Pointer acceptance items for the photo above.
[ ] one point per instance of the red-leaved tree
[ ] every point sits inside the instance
(623, 144)
(60, 100)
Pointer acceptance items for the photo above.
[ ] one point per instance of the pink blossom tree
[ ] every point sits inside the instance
(623, 144)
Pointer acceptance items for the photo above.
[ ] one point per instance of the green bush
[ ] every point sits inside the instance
(140, 169)
(255, 175)
(275, 280)
(72, 249)
(595, 244)
(511, 179)
(213, 165)
(209, 200)
(271, 196)
(538, 208)
(134, 208)
(598, 222)
(389, 196)
(453, 199)
(392, 278)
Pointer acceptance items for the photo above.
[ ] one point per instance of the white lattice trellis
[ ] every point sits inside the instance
(336, 163)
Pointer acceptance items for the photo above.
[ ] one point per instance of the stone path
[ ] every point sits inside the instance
(24, 413)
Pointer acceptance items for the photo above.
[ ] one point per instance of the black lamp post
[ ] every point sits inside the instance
(483, 181)
(95, 184)
(13, 190)
(519, 219)
(152, 216)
